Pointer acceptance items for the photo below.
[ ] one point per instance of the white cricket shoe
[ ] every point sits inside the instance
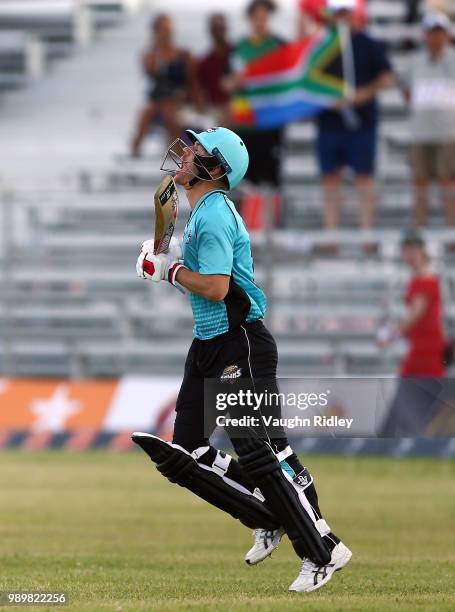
(314, 576)
(265, 542)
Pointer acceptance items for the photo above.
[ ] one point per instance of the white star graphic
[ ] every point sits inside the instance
(53, 412)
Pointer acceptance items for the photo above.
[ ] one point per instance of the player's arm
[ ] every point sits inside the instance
(213, 287)
(167, 266)
(214, 241)
(214, 244)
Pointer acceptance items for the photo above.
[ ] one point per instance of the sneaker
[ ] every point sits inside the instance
(314, 576)
(265, 542)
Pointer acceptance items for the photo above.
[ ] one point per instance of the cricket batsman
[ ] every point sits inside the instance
(267, 488)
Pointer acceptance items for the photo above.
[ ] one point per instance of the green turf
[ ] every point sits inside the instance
(112, 532)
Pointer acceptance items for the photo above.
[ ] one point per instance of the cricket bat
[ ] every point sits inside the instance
(166, 210)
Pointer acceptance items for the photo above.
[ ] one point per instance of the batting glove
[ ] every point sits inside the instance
(159, 267)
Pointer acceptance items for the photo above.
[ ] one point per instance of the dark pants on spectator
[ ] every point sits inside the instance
(265, 149)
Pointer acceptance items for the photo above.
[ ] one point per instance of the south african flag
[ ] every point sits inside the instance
(296, 81)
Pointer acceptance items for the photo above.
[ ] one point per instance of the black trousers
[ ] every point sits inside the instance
(246, 356)
(265, 148)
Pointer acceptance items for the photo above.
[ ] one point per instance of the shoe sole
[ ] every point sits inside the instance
(341, 562)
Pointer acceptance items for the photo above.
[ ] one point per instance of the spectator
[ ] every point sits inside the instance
(213, 68)
(415, 404)
(171, 74)
(263, 145)
(422, 324)
(412, 16)
(429, 86)
(313, 12)
(413, 8)
(340, 144)
(412, 11)
(442, 6)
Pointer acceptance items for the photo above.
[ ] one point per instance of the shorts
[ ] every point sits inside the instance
(433, 161)
(265, 151)
(228, 358)
(342, 148)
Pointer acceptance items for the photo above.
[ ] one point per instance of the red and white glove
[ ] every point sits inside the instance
(159, 267)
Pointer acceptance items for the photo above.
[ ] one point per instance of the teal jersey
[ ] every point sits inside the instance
(215, 241)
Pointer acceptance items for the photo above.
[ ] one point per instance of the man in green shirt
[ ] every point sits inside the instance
(264, 145)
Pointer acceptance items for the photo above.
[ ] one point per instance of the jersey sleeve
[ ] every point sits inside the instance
(215, 244)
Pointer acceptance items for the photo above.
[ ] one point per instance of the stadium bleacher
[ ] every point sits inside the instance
(22, 55)
(32, 33)
(72, 305)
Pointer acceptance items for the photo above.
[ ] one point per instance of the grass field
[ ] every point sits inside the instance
(112, 532)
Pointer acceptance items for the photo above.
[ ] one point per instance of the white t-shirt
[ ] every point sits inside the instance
(432, 87)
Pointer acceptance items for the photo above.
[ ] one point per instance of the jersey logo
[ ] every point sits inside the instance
(231, 373)
(188, 237)
(303, 479)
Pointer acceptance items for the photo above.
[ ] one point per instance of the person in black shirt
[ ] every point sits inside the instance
(347, 135)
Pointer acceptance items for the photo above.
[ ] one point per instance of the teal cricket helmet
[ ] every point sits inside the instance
(228, 148)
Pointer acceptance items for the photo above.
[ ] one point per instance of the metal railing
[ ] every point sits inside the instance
(39, 272)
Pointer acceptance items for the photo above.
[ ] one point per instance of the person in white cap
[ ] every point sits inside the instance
(312, 14)
(428, 82)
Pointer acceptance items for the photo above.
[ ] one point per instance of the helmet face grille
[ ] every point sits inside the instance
(173, 157)
(173, 161)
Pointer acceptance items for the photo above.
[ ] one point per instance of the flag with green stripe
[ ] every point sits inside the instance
(295, 81)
